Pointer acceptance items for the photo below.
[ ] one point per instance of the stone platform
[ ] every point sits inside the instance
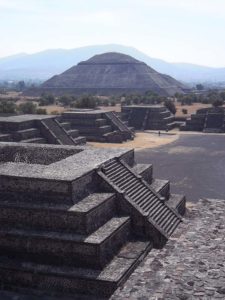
(144, 117)
(191, 266)
(76, 220)
(209, 120)
(98, 125)
(39, 129)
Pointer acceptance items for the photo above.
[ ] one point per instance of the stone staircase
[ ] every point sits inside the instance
(98, 126)
(151, 207)
(119, 125)
(67, 249)
(57, 131)
(148, 117)
(36, 129)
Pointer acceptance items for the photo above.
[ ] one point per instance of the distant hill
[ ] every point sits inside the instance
(109, 74)
(45, 64)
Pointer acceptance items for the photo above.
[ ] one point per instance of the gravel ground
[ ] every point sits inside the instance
(190, 266)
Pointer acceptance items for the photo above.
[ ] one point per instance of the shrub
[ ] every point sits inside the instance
(55, 112)
(46, 100)
(7, 107)
(28, 108)
(41, 111)
(86, 102)
(170, 106)
(184, 111)
(217, 103)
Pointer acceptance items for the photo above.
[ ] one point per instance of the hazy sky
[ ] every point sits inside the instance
(173, 30)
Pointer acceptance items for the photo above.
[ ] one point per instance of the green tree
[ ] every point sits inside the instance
(66, 100)
(7, 107)
(217, 103)
(27, 108)
(86, 102)
(184, 111)
(170, 106)
(41, 111)
(199, 87)
(46, 100)
(222, 95)
(21, 85)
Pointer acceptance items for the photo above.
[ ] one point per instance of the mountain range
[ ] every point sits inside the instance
(45, 64)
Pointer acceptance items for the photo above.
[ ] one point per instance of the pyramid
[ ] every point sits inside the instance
(112, 73)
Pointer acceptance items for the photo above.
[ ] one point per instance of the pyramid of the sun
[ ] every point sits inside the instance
(111, 73)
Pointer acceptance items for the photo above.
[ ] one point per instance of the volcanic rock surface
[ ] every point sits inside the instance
(112, 73)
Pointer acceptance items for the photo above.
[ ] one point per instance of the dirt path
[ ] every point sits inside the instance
(142, 140)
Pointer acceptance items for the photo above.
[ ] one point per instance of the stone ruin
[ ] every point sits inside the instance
(143, 117)
(76, 220)
(206, 120)
(98, 125)
(40, 129)
(93, 125)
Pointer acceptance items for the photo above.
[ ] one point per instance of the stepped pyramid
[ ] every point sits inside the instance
(98, 125)
(39, 129)
(77, 221)
(110, 73)
(211, 120)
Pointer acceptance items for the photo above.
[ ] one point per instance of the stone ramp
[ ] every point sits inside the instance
(57, 131)
(148, 204)
(119, 125)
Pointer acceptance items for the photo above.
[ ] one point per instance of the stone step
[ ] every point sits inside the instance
(5, 137)
(70, 249)
(139, 196)
(83, 217)
(81, 140)
(27, 134)
(174, 224)
(94, 130)
(144, 197)
(145, 171)
(100, 122)
(68, 281)
(177, 202)
(114, 137)
(161, 187)
(166, 219)
(130, 180)
(119, 175)
(66, 125)
(105, 129)
(95, 138)
(35, 141)
(73, 132)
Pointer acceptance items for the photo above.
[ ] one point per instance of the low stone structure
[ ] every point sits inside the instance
(78, 220)
(206, 120)
(98, 125)
(41, 129)
(143, 117)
